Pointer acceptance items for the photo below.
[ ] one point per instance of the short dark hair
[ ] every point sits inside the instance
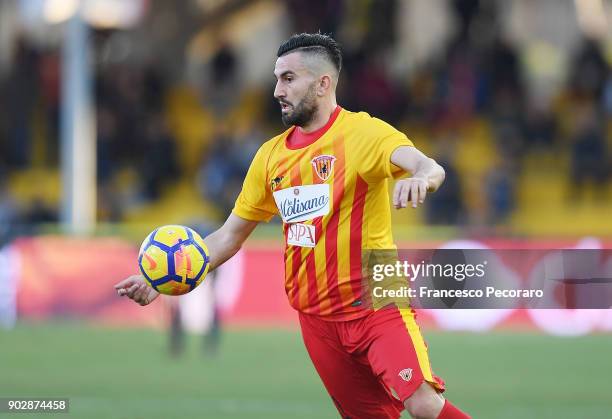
(316, 43)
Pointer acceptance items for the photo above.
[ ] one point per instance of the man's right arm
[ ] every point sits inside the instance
(227, 240)
(222, 245)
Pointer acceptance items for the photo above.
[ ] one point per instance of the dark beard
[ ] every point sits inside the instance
(304, 112)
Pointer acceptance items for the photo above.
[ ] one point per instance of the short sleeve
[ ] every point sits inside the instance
(375, 162)
(255, 202)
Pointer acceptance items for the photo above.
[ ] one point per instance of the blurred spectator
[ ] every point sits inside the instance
(223, 88)
(508, 124)
(154, 88)
(3, 129)
(590, 159)
(457, 82)
(541, 128)
(217, 169)
(107, 143)
(503, 68)
(316, 15)
(501, 80)
(375, 91)
(9, 214)
(248, 138)
(22, 89)
(159, 159)
(608, 96)
(381, 21)
(50, 101)
(201, 302)
(446, 205)
(224, 168)
(589, 71)
(500, 191)
(223, 65)
(40, 213)
(110, 204)
(465, 13)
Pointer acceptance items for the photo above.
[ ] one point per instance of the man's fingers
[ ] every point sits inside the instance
(124, 284)
(148, 296)
(414, 194)
(404, 195)
(423, 192)
(145, 299)
(411, 191)
(136, 289)
(140, 293)
(396, 193)
(132, 290)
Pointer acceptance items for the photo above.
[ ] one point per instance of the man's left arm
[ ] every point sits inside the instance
(427, 176)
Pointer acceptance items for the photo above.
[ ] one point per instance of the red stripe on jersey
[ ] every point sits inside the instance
(361, 189)
(331, 232)
(290, 289)
(313, 292)
(311, 266)
(295, 271)
(296, 180)
(288, 255)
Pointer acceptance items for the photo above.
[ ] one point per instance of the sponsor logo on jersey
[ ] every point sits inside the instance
(275, 183)
(323, 166)
(302, 235)
(406, 374)
(302, 203)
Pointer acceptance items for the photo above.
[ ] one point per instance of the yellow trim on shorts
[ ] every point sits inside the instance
(417, 341)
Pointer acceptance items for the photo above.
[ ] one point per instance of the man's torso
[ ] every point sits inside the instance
(333, 198)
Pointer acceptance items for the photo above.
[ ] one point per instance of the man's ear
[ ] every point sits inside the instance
(325, 83)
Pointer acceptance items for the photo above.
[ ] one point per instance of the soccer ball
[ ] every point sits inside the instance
(173, 259)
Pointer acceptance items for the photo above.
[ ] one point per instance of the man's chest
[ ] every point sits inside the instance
(306, 184)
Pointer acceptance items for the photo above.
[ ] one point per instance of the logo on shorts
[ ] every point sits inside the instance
(406, 374)
(323, 166)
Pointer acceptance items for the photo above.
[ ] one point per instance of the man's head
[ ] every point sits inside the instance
(306, 71)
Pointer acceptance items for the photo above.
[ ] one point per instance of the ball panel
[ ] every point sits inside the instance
(198, 240)
(146, 242)
(203, 250)
(170, 235)
(188, 261)
(173, 288)
(202, 274)
(154, 262)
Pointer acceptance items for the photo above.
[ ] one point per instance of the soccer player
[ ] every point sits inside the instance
(327, 177)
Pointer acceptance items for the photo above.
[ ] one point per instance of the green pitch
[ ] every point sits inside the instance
(110, 373)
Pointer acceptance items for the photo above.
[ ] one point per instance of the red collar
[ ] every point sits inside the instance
(298, 139)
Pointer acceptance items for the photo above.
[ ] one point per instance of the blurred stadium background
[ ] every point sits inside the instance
(119, 116)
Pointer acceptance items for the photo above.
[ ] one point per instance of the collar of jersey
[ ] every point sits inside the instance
(306, 139)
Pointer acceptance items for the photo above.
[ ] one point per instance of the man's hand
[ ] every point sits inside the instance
(413, 190)
(137, 289)
(427, 176)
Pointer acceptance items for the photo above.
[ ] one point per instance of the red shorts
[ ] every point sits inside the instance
(369, 366)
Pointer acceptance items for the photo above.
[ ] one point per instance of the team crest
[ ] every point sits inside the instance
(323, 166)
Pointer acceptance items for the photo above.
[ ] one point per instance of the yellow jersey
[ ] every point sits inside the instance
(333, 198)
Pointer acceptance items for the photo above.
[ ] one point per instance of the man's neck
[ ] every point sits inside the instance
(320, 118)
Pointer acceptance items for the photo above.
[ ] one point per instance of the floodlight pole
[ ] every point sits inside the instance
(78, 138)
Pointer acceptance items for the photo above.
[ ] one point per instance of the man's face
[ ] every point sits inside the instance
(295, 90)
